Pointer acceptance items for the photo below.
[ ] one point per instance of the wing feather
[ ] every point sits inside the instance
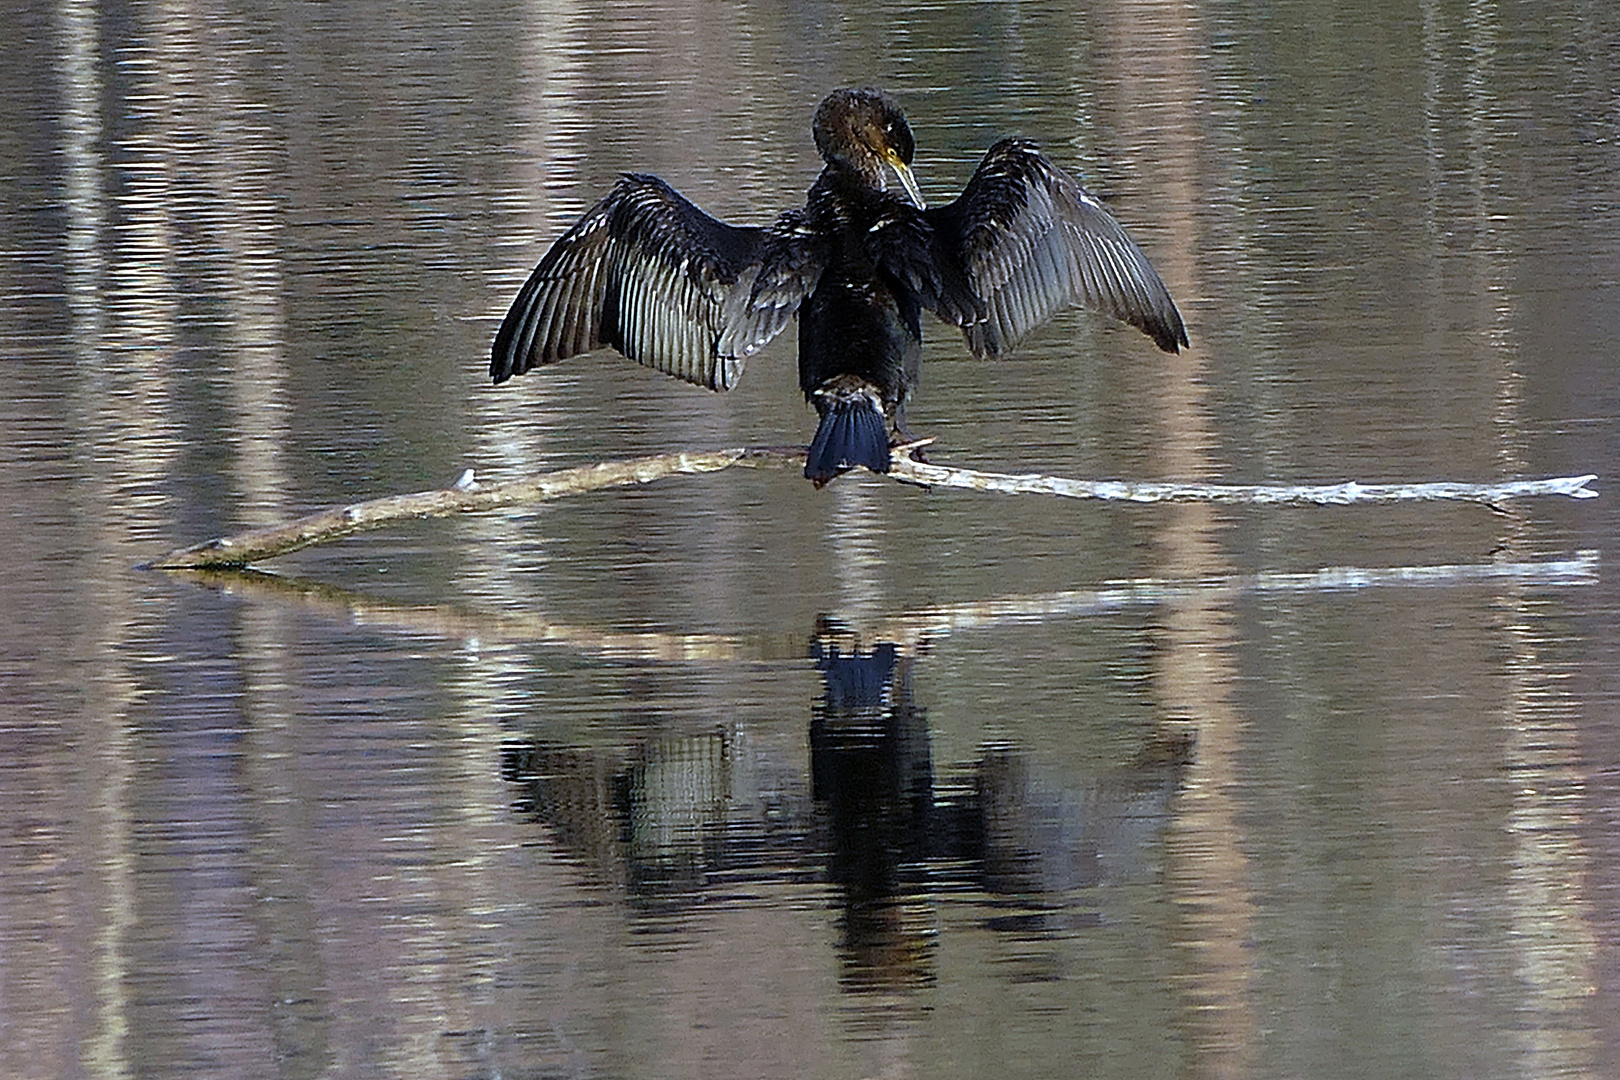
(649, 274)
(1025, 240)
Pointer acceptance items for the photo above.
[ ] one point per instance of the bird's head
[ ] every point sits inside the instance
(864, 130)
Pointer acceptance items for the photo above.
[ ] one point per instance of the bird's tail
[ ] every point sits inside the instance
(853, 430)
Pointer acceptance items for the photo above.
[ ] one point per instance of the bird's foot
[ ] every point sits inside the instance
(912, 448)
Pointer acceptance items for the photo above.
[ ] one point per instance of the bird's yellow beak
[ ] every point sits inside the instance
(907, 181)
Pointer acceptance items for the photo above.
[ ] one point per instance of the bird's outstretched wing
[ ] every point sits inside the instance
(649, 274)
(1025, 240)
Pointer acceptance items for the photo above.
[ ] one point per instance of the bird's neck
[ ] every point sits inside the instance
(851, 179)
(843, 197)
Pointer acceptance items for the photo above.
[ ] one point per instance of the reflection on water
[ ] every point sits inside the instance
(676, 823)
(1059, 790)
(835, 821)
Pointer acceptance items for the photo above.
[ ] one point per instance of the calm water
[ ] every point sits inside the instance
(728, 777)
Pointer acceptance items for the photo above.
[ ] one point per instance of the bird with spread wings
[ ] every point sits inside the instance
(647, 273)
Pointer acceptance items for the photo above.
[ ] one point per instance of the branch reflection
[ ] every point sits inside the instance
(673, 815)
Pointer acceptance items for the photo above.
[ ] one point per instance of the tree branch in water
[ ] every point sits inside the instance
(256, 545)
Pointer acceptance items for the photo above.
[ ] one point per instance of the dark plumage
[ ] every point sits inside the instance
(649, 274)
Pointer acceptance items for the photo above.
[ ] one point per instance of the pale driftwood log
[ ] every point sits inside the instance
(1340, 494)
(256, 545)
(333, 523)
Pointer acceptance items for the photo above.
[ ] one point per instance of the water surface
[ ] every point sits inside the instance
(730, 777)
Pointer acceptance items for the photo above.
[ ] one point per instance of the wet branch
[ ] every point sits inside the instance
(256, 545)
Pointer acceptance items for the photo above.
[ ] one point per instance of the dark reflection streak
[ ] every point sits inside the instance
(871, 772)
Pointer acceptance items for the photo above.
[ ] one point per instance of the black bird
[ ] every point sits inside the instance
(649, 274)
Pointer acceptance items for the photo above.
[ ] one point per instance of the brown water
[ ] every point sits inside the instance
(630, 784)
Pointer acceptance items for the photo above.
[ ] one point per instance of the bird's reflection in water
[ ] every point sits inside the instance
(872, 779)
(652, 819)
(677, 821)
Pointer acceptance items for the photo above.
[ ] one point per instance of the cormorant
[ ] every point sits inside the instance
(649, 274)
